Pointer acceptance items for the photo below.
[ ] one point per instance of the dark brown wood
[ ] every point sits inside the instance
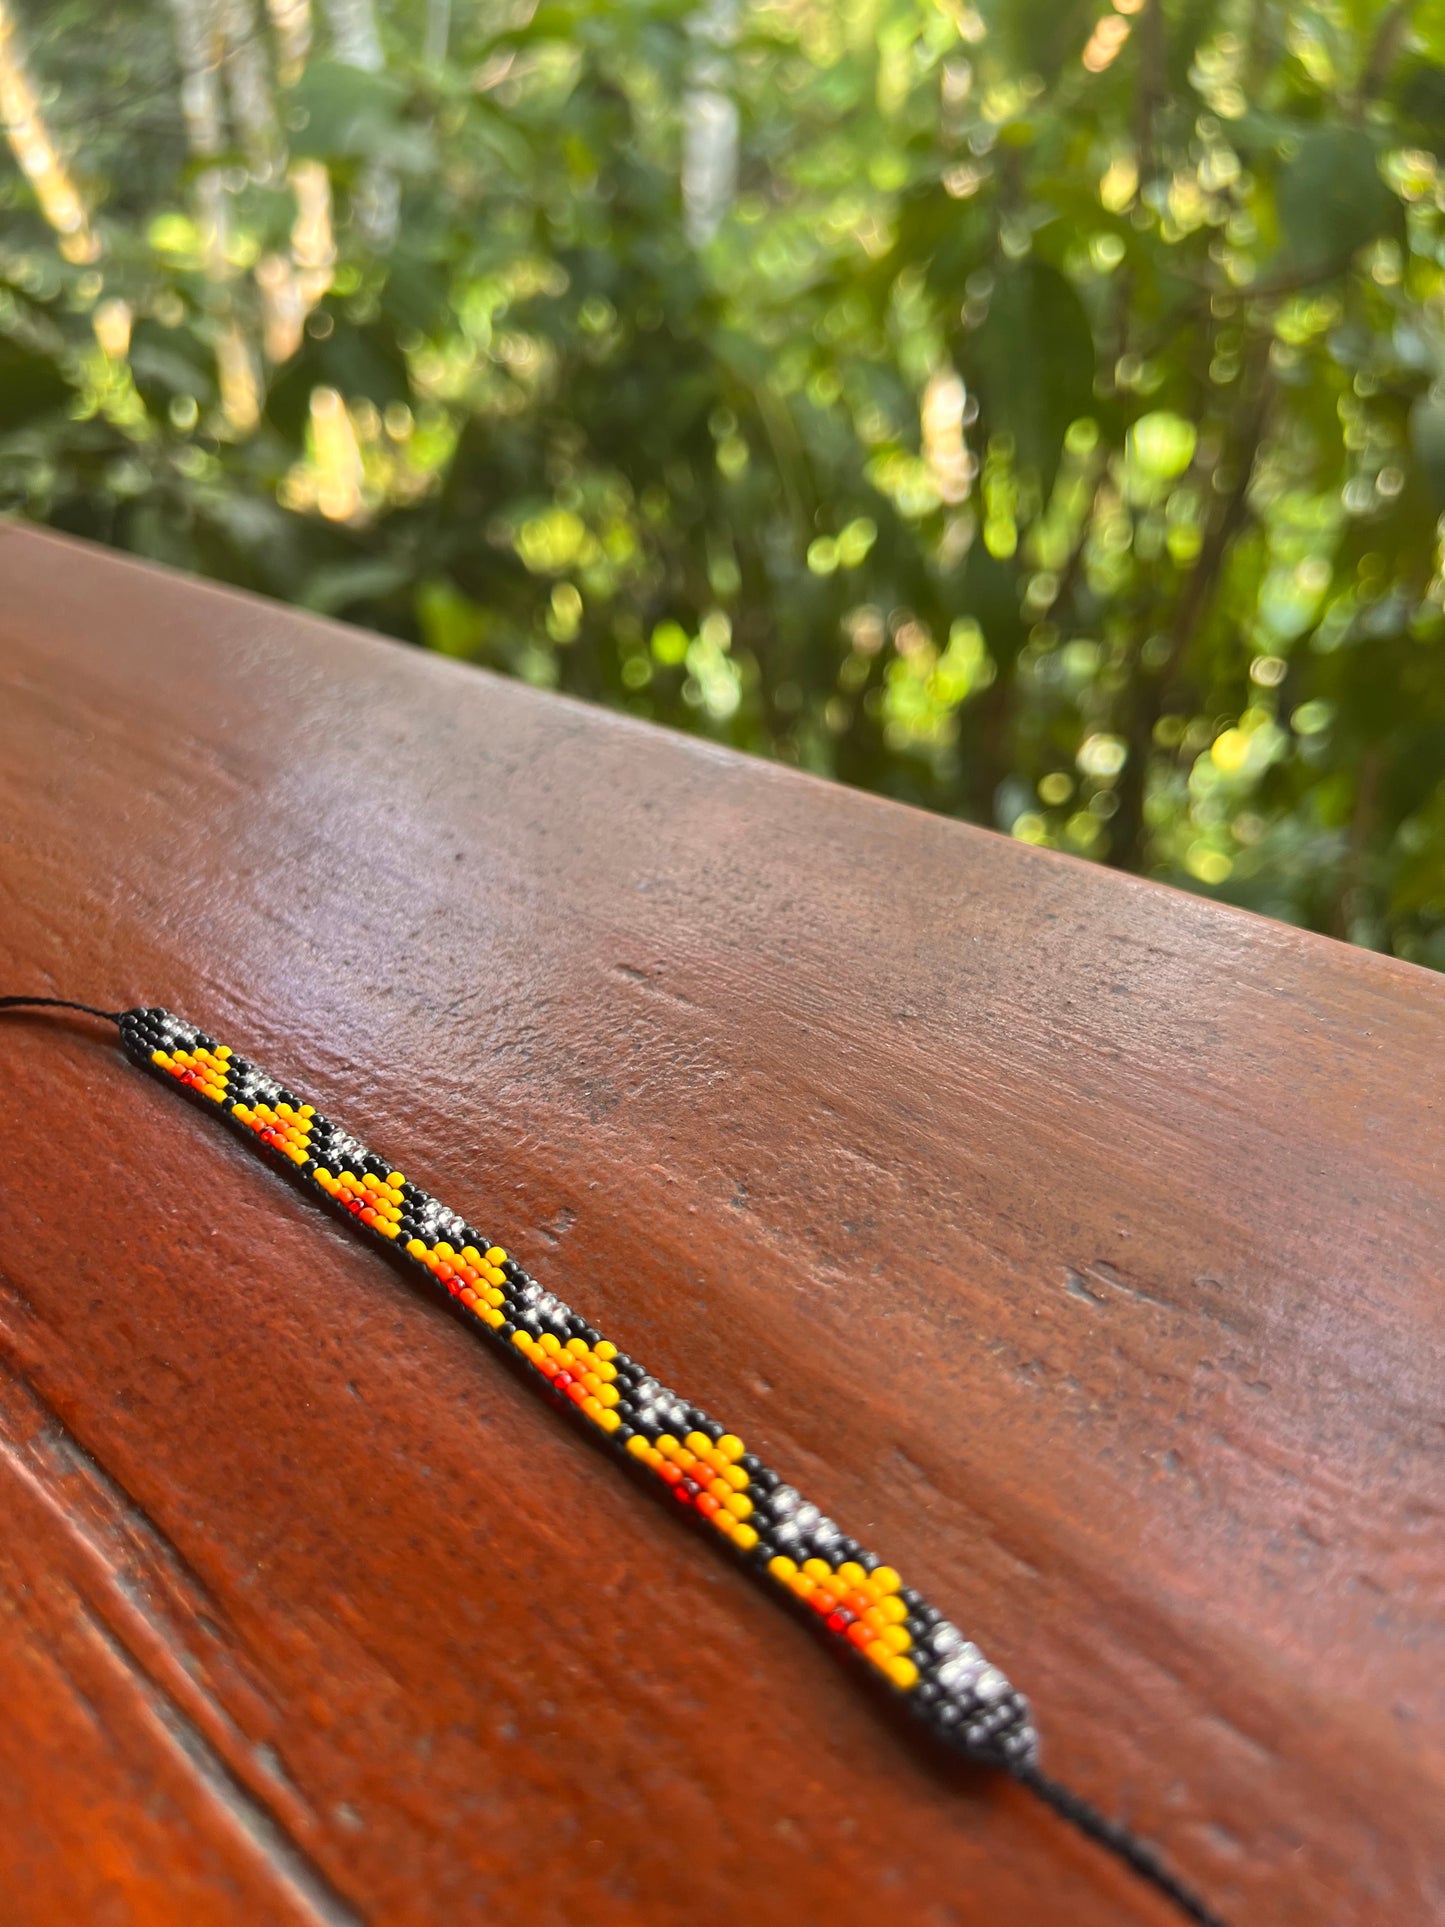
(1074, 1241)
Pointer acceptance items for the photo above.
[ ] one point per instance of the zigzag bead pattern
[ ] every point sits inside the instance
(860, 1604)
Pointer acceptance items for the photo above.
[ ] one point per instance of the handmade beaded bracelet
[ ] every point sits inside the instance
(859, 1603)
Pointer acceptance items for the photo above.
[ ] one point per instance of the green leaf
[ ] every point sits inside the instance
(1332, 200)
(1040, 36)
(1032, 362)
(166, 362)
(342, 112)
(1427, 439)
(361, 360)
(1421, 97)
(31, 386)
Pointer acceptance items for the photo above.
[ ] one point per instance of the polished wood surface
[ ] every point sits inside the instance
(1075, 1242)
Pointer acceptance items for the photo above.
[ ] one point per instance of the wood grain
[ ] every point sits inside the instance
(1073, 1241)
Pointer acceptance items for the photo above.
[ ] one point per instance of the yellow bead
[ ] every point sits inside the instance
(591, 1407)
(550, 1343)
(885, 1579)
(698, 1442)
(746, 1537)
(604, 1370)
(731, 1446)
(416, 1247)
(738, 1504)
(637, 1445)
(878, 1653)
(577, 1347)
(609, 1422)
(160, 1057)
(735, 1476)
(818, 1568)
(667, 1445)
(782, 1567)
(802, 1585)
(895, 1638)
(223, 1050)
(495, 1255)
(893, 1610)
(609, 1395)
(605, 1349)
(902, 1672)
(393, 1178)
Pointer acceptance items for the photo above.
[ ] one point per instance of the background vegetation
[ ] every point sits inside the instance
(1034, 409)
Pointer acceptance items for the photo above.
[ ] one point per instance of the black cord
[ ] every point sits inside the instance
(57, 1003)
(1118, 1840)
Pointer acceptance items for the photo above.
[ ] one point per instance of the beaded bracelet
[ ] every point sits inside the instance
(859, 1603)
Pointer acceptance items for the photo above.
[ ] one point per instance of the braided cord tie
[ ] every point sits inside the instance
(858, 1603)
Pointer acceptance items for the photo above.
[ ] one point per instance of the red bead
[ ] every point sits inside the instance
(672, 1473)
(860, 1634)
(706, 1504)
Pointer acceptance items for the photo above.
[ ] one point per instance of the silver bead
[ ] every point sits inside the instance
(961, 1673)
(990, 1685)
(783, 1501)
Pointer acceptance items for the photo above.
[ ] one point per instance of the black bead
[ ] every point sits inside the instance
(764, 1479)
(751, 1463)
(690, 1487)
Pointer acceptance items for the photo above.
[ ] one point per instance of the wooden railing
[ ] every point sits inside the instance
(1074, 1241)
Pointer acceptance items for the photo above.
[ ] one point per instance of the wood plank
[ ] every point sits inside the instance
(1072, 1240)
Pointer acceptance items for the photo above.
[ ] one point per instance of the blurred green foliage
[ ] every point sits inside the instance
(1050, 430)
